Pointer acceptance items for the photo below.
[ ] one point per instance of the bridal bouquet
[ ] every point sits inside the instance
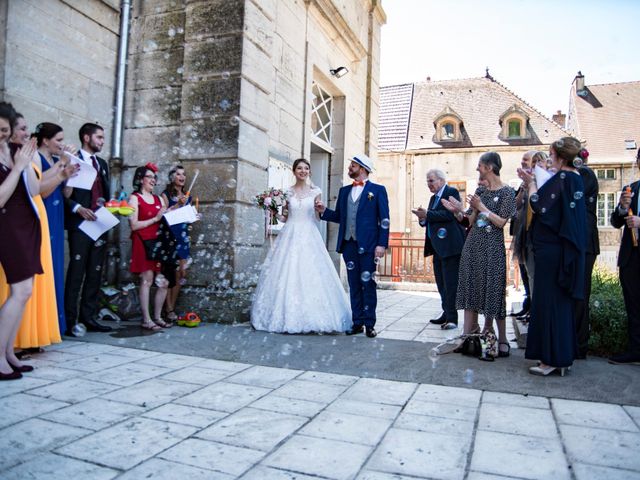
(271, 201)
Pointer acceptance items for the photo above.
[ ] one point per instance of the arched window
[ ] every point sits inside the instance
(514, 124)
(448, 125)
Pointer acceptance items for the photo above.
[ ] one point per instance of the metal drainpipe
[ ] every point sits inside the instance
(116, 163)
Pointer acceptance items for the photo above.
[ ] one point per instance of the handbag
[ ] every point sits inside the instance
(471, 345)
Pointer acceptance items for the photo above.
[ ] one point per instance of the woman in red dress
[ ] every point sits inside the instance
(145, 220)
(20, 239)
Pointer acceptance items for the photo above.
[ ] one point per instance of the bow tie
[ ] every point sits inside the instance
(358, 184)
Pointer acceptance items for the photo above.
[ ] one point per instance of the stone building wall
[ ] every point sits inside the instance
(59, 60)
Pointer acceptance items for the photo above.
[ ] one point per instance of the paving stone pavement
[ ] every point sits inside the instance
(100, 411)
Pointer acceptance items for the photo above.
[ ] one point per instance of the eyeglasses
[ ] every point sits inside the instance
(155, 177)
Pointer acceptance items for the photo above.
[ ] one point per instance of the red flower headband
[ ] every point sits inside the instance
(151, 166)
(584, 153)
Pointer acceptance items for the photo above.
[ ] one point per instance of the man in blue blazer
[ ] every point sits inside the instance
(444, 240)
(362, 211)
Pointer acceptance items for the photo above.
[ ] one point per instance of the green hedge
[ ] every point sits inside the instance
(608, 315)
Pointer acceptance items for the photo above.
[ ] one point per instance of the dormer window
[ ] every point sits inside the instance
(448, 125)
(513, 123)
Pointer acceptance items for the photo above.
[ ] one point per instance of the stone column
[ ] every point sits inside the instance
(199, 101)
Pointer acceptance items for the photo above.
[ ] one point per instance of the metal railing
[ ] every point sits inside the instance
(405, 262)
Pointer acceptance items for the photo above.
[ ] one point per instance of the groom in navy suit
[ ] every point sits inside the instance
(362, 210)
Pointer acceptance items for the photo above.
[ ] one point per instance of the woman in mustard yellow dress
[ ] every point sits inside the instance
(39, 325)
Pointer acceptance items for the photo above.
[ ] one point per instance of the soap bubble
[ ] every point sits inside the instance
(534, 197)
(468, 376)
(361, 250)
(234, 121)
(226, 75)
(442, 233)
(572, 204)
(553, 195)
(160, 280)
(577, 162)
(433, 356)
(100, 201)
(351, 265)
(563, 175)
(366, 276)
(495, 199)
(286, 350)
(482, 220)
(171, 32)
(79, 330)
(543, 210)
(578, 195)
(488, 228)
(385, 223)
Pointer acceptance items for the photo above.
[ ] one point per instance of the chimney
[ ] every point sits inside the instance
(428, 79)
(560, 118)
(579, 84)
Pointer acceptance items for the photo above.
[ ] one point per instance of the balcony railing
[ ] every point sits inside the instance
(405, 262)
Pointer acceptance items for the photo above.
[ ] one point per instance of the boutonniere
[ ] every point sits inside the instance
(370, 196)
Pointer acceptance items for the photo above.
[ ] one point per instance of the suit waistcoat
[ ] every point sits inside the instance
(352, 210)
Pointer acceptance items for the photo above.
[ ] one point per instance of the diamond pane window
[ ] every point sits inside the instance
(321, 113)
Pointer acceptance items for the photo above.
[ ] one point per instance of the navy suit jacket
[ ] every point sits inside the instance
(372, 210)
(439, 218)
(617, 220)
(83, 197)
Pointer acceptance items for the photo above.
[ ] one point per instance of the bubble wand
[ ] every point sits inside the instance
(634, 231)
(195, 176)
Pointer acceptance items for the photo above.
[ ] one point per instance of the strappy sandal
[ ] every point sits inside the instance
(150, 325)
(162, 324)
(503, 353)
(171, 315)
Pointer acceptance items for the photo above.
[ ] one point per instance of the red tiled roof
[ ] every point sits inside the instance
(479, 102)
(608, 115)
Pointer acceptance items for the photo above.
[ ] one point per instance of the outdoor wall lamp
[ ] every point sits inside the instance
(339, 72)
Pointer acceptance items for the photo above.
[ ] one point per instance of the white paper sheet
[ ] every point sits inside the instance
(85, 177)
(186, 214)
(541, 176)
(104, 222)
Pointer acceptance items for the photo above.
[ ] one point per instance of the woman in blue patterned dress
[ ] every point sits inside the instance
(174, 196)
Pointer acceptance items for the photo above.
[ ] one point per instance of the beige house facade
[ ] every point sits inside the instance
(235, 89)
(447, 125)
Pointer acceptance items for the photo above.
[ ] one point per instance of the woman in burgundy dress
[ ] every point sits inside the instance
(20, 239)
(144, 221)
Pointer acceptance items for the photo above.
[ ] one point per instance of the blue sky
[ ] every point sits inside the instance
(533, 47)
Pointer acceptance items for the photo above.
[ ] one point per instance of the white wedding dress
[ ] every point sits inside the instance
(299, 290)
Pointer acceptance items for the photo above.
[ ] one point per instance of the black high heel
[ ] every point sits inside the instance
(22, 369)
(502, 353)
(10, 376)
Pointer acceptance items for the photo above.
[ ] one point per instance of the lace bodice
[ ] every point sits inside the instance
(301, 208)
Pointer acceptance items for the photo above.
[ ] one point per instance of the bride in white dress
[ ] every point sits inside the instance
(299, 290)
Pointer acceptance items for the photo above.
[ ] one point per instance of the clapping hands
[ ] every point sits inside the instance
(24, 155)
(476, 203)
(452, 204)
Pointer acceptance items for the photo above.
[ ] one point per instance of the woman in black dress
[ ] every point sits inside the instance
(20, 239)
(559, 242)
